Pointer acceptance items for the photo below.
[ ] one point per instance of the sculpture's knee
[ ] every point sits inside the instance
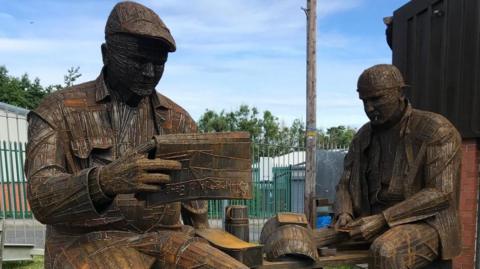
(383, 250)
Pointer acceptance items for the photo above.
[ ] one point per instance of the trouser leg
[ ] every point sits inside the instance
(178, 250)
(406, 246)
(164, 249)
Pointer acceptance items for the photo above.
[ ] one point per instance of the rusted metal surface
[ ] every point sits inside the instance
(436, 45)
(248, 253)
(288, 234)
(341, 259)
(292, 218)
(88, 163)
(236, 221)
(401, 179)
(325, 251)
(213, 166)
(291, 240)
(282, 219)
(327, 236)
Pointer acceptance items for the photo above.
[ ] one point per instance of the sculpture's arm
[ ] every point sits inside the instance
(441, 170)
(343, 200)
(55, 196)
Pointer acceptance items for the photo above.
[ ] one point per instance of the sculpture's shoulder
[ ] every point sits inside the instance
(364, 132)
(432, 128)
(177, 115)
(52, 106)
(361, 139)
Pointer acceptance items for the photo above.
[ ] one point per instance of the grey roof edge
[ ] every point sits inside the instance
(14, 109)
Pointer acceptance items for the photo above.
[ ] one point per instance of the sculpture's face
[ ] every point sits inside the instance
(134, 64)
(381, 106)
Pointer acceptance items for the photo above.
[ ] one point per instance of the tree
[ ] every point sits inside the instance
(339, 136)
(73, 73)
(27, 93)
(268, 130)
(243, 119)
(276, 138)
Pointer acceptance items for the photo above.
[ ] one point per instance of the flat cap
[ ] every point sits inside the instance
(133, 18)
(380, 78)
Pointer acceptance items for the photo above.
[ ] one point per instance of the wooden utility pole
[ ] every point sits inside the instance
(311, 134)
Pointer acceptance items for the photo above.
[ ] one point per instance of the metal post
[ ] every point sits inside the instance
(311, 134)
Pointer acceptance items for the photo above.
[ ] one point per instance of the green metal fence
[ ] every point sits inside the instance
(269, 196)
(12, 181)
(272, 171)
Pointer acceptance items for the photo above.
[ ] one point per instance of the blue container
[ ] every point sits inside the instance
(323, 221)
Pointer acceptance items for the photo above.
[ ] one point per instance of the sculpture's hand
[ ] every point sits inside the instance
(367, 227)
(134, 173)
(342, 220)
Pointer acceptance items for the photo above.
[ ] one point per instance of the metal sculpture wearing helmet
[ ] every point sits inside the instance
(400, 185)
(85, 161)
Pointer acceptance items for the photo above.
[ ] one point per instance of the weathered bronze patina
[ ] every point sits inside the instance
(400, 185)
(249, 254)
(236, 221)
(288, 234)
(88, 167)
(215, 166)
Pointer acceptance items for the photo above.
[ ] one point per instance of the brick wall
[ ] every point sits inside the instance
(468, 204)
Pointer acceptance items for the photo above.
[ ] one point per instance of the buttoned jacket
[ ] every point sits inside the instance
(426, 171)
(71, 133)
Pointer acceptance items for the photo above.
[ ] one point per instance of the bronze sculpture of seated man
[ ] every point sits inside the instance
(85, 168)
(400, 185)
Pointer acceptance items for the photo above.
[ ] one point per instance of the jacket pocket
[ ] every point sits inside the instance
(82, 147)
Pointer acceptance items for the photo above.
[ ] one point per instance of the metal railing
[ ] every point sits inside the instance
(278, 174)
(20, 226)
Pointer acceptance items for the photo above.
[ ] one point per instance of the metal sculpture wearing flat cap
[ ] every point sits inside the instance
(86, 162)
(400, 185)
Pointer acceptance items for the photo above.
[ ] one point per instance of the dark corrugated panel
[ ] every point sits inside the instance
(436, 45)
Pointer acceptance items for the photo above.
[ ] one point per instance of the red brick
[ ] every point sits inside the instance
(467, 228)
(469, 221)
(465, 259)
(467, 213)
(468, 204)
(468, 195)
(469, 185)
(468, 242)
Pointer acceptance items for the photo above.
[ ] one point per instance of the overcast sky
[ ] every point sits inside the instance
(229, 52)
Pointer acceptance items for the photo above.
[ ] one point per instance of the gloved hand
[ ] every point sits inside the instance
(134, 172)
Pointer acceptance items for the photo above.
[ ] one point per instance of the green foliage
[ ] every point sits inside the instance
(267, 129)
(27, 93)
(37, 263)
(264, 128)
(73, 73)
(339, 136)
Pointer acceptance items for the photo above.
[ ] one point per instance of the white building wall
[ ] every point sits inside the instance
(13, 123)
(266, 164)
